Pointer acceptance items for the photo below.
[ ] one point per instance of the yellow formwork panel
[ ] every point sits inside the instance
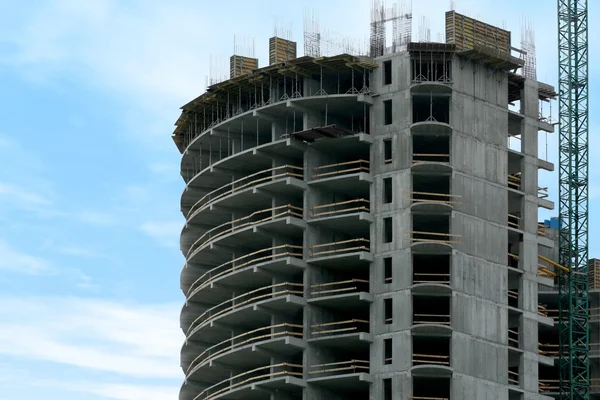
(468, 34)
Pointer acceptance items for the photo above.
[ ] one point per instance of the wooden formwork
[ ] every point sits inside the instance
(469, 34)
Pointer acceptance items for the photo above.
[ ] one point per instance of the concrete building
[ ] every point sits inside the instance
(359, 228)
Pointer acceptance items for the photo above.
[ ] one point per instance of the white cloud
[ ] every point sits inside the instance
(12, 260)
(127, 339)
(22, 197)
(170, 169)
(97, 218)
(165, 232)
(123, 391)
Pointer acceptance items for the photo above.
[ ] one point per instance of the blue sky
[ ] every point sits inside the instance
(89, 184)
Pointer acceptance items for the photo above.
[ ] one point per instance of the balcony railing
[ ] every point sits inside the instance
(344, 246)
(256, 257)
(424, 277)
(253, 336)
(549, 385)
(244, 183)
(548, 349)
(341, 287)
(250, 377)
(428, 319)
(434, 237)
(341, 368)
(343, 168)
(594, 313)
(513, 378)
(442, 198)
(343, 207)
(255, 218)
(242, 300)
(514, 182)
(435, 359)
(431, 157)
(514, 221)
(513, 338)
(340, 327)
(541, 230)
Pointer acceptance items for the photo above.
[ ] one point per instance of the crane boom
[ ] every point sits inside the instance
(573, 199)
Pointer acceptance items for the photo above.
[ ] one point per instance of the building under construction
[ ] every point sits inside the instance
(359, 226)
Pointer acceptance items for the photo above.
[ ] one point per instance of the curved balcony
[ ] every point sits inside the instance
(339, 327)
(247, 182)
(192, 166)
(253, 337)
(339, 287)
(350, 254)
(343, 246)
(342, 295)
(433, 242)
(437, 163)
(433, 202)
(343, 168)
(242, 301)
(434, 128)
(266, 376)
(420, 278)
(255, 218)
(352, 178)
(342, 207)
(431, 87)
(351, 217)
(340, 368)
(431, 365)
(264, 257)
(348, 377)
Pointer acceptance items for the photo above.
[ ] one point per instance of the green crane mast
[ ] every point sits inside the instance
(573, 199)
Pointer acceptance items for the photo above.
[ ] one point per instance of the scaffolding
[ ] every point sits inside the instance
(400, 15)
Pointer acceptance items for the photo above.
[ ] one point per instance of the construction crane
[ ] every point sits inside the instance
(573, 199)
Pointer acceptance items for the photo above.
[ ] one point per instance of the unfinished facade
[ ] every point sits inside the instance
(359, 228)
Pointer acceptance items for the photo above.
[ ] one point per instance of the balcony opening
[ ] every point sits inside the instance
(387, 151)
(431, 68)
(351, 361)
(431, 108)
(429, 310)
(353, 160)
(388, 311)
(333, 317)
(432, 228)
(549, 379)
(431, 351)
(387, 351)
(548, 343)
(513, 297)
(387, 389)
(431, 388)
(431, 268)
(431, 188)
(515, 210)
(514, 249)
(388, 230)
(387, 190)
(431, 148)
(387, 270)
(387, 112)
(513, 376)
(387, 72)
(514, 335)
